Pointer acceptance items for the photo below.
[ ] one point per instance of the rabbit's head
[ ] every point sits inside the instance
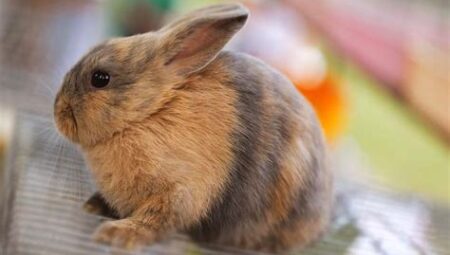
(125, 81)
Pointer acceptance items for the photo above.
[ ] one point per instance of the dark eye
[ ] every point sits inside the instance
(100, 79)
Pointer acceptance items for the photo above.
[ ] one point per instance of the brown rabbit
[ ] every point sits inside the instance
(181, 136)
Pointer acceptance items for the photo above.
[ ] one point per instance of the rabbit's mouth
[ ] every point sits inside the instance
(65, 119)
(69, 113)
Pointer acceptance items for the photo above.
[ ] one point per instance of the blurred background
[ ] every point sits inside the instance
(376, 72)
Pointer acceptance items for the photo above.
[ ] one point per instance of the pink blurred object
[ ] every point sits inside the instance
(377, 37)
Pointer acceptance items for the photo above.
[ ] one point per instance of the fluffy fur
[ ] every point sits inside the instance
(187, 137)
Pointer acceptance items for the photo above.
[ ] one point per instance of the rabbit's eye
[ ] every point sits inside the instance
(100, 79)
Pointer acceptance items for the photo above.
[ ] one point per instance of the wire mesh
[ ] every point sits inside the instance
(47, 182)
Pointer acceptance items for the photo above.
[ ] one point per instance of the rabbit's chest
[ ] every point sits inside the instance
(125, 177)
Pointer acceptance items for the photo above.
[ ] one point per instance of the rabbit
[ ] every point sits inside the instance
(183, 136)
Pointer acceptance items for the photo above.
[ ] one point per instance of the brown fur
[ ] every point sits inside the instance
(188, 138)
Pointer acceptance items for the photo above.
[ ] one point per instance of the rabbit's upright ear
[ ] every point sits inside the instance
(190, 43)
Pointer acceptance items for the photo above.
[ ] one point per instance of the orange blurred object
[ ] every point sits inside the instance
(329, 104)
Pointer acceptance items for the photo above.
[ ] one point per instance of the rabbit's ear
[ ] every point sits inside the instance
(191, 43)
(195, 14)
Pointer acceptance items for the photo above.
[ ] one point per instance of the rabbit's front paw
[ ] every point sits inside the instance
(124, 233)
(97, 205)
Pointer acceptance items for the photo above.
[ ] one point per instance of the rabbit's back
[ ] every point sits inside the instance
(277, 190)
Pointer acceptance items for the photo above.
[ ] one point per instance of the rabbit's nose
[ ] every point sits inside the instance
(57, 98)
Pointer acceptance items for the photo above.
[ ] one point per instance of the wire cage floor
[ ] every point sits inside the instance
(46, 182)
